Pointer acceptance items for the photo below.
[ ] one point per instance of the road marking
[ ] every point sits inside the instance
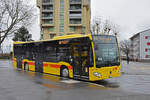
(70, 81)
(98, 85)
(90, 84)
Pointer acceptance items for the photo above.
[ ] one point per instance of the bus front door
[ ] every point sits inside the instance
(79, 71)
(19, 62)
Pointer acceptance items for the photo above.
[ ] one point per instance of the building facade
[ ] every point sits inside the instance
(140, 46)
(63, 17)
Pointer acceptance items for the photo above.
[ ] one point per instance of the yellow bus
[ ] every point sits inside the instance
(85, 57)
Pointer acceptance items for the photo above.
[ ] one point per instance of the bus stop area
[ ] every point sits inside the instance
(21, 85)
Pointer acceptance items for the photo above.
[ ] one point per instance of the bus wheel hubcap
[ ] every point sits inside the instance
(65, 72)
(26, 67)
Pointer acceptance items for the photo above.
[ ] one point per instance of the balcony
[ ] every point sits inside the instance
(75, 10)
(47, 2)
(75, 16)
(47, 22)
(47, 17)
(47, 25)
(75, 1)
(75, 7)
(47, 10)
(74, 22)
(47, 7)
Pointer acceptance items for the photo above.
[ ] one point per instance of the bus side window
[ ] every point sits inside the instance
(63, 53)
(91, 64)
(50, 52)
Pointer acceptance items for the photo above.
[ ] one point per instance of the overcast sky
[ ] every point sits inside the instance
(131, 15)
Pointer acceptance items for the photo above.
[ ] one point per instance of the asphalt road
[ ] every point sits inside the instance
(134, 84)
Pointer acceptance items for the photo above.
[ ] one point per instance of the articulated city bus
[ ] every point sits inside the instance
(86, 57)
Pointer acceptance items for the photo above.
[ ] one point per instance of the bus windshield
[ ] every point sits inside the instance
(106, 51)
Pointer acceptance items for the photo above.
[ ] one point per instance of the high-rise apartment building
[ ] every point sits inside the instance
(62, 17)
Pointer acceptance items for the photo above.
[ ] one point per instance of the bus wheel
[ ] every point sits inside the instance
(64, 72)
(26, 67)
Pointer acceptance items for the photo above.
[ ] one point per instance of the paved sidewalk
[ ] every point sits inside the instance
(136, 68)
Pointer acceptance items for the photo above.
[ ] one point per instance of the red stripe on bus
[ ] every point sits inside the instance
(51, 65)
(14, 60)
(45, 65)
(69, 67)
(31, 63)
(55, 66)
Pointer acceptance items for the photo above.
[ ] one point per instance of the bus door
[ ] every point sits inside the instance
(79, 71)
(19, 62)
(19, 56)
(38, 59)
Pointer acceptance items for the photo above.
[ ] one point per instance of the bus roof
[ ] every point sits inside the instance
(57, 38)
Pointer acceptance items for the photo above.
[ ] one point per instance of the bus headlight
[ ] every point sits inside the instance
(97, 74)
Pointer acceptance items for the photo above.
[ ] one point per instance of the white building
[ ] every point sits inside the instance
(140, 46)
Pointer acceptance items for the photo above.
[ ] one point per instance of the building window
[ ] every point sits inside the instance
(145, 49)
(83, 29)
(48, 21)
(75, 7)
(47, 7)
(148, 43)
(75, 21)
(147, 56)
(61, 28)
(72, 29)
(61, 15)
(61, 34)
(75, 1)
(62, 20)
(146, 37)
(52, 35)
(48, 15)
(47, 1)
(51, 29)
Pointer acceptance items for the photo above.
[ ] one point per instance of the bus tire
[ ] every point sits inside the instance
(64, 72)
(26, 67)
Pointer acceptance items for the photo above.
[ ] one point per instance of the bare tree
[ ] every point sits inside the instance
(115, 29)
(13, 14)
(104, 26)
(107, 26)
(96, 25)
(125, 47)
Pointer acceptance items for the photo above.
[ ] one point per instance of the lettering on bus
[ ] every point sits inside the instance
(64, 42)
(105, 40)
